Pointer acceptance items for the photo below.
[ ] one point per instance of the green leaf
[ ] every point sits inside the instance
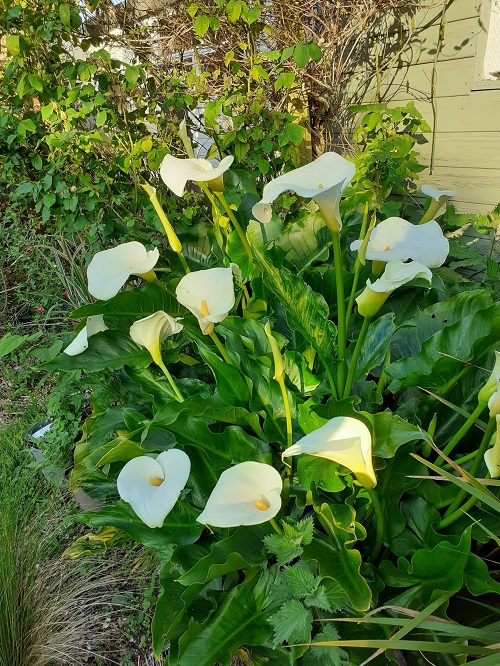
(9, 343)
(375, 345)
(301, 54)
(132, 73)
(444, 354)
(254, 14)
(201, 24)
(234, 10)
(37, 162)
(100, 118)
(109, 349)
(24, 188)
(179, 526)
(241, 550)
(319, 472)
(13, 45)
(295, 133)
(338, 559)
(192, 10)
(307, 311)
(36, 82)
(314, 51)
(284, 80)
(65, 14)
(305, 241)
(435, 572)
(292, 623)
(49, 199)
(241, 619)
(136, 303)
(232, 386)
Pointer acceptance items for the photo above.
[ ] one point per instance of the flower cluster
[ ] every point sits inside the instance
(250, 492)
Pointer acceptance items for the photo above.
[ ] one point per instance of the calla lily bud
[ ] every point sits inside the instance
(184, 137)
(110, 269)
(492, 456)
(95, 324)
(278, 360)
(208, 294)
(151, 331)
(396, 274)
(246, 494)
(494, 401)
(396, 239)
(175, 172)
(344, 440)
(152, 487)
(323, 180)
(169, 230)
(491, 385)
(438, 204)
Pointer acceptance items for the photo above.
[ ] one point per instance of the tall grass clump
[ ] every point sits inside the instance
(51, 609)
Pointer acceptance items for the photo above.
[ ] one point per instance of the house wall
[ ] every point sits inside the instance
(465, 112)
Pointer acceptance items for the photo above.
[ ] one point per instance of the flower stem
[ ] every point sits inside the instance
(236, 224)
(171, 381)
(184, 262)
(485, 442)
(288, 415)
(331, 378)
(379, 520)
(452, 517)
(357, 268)
(277, 528)
(220, 347)
(462, 432)
(341, 334)
(355, 356)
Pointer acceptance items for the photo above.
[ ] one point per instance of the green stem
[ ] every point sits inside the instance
(184, 262)
(220, 347)
(277, 528)
(341, 318)
(288, 415)
(357, 268)
(379, 520)
(485, 442)
(448, 520)
(171, 381)
(462, 432)
(236, 224)
(355, 356)
(461, 461)
(331, 378)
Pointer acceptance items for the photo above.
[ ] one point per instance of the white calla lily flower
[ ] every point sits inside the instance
(494, 401)
(95, 324)
(246, 494)
(492, 456)
(438, 205)
(150, 332)
(323, 180)
(395, 239)
(395, 275)
(344, 440)
(176, 172)
(110, 269)
(152, 486)
(208, 294)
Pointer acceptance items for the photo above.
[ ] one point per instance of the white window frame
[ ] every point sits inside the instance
(484, 23)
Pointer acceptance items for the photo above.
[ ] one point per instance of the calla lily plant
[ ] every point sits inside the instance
(176, 172)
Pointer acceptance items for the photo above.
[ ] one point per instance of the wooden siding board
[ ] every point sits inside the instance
(459, 42)
(476, 150)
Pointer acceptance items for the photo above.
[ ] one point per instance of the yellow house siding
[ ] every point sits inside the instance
(467, 138)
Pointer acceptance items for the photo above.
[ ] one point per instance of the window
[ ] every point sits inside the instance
(488, 47)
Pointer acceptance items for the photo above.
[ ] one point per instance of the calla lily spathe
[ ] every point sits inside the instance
(95, 324)
(493, 383)
(176, 172)
(208, 294)
(395, 275)
(151, 331)
(492, 456)
(152, 486)
(395, 239)
(438, 205)
(323, 180)
(246, 494)
(344, 440)
(110, 269)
